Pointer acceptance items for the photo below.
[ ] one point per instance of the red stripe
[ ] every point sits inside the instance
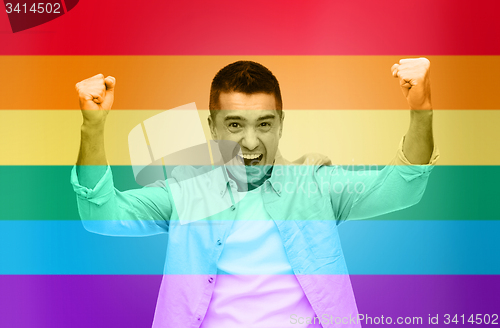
(263, 27)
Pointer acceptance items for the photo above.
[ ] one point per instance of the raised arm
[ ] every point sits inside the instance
(102, 208)
(96, 96)
(364, 194)
(414, 78)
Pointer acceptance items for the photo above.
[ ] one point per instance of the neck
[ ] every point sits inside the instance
(252, 184)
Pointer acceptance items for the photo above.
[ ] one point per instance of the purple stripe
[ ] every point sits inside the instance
(411, 295)
(129, 301)
(78, 301)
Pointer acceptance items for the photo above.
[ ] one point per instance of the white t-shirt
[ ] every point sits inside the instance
(255, 285)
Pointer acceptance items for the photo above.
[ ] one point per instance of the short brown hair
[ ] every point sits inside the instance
(246, 77)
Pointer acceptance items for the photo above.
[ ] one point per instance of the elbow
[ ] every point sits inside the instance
(416, 197)
(415, 189)
(95, 218)
(94, 226)
(88, 227)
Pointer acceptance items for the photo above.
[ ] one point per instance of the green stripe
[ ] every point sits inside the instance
(453, 193)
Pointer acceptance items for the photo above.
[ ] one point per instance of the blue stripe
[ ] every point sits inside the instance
(370, 247)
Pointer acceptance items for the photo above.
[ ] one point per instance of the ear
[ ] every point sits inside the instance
(281, 122)
(213, 129)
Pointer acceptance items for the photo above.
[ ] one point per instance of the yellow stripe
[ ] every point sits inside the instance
(52, 137)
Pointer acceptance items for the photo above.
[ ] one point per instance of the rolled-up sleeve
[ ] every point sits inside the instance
(411, 171)
(108, 211)
(101, 193)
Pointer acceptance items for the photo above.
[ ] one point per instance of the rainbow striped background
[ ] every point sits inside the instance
(333, 61)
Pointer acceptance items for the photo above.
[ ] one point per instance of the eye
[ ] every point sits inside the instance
(234, 127)
(265, 126)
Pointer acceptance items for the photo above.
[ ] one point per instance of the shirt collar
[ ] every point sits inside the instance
(276, 179)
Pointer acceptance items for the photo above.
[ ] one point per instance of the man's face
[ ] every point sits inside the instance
(252, 121)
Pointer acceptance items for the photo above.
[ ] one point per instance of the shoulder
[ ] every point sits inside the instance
(308, 165)
(314, 159)
(183, 172)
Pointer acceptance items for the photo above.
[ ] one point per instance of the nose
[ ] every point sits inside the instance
(250, 140)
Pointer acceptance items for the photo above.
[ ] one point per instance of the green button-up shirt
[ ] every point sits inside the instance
(306, 202)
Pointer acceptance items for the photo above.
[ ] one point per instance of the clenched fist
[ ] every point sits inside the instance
(96, 95)
(414, 79)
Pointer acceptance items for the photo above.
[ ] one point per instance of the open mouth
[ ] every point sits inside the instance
(251, 159)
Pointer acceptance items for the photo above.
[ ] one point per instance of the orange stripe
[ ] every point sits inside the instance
(307, 82)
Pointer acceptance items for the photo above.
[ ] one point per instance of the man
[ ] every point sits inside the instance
(273, 257)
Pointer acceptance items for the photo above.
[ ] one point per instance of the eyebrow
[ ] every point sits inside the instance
(266, 117)
(228, 118)
(262, 118)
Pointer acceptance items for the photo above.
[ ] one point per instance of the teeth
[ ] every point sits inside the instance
(251, 156)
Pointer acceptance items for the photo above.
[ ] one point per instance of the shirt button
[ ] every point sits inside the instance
(199, 318)
(219, 242)
(210, 280)
(233, 207)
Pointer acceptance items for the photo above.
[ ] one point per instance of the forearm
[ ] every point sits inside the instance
(419, 142)
(91, 163)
